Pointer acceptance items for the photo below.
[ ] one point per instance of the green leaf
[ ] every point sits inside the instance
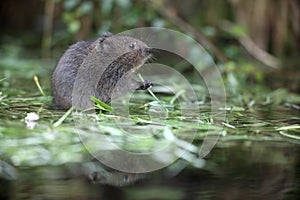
(74, 26)
(289, 135)
(295, 126)
(101, 105)
(238, 30)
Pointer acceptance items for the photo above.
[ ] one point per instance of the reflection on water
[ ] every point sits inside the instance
(247, 170)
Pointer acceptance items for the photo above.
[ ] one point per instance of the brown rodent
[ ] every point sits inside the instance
(94, 68)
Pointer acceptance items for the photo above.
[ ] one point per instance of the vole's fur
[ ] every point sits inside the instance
(93, 68)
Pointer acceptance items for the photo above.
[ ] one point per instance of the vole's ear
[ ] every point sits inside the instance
(100, 45)
(100, 41)
(104, 36)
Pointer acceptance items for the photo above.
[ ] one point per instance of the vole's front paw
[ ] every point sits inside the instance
(145, 85)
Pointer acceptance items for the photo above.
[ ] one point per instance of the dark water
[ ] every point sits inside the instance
(243, 170)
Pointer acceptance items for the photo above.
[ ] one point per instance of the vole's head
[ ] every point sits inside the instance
(125, 48)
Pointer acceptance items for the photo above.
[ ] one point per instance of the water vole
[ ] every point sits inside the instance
(94, 68)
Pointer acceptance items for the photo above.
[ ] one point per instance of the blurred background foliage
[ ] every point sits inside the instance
(251, 41)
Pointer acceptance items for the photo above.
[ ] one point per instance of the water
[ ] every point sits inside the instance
(252, 160)
(244, 170)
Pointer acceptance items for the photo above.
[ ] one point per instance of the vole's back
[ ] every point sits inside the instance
(64, 76)
(94, 67)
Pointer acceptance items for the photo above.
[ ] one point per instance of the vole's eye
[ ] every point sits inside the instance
(131, 46)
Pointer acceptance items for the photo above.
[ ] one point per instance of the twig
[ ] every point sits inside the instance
(171, 14)
(36, 80)
(253, 49)
(258, 53)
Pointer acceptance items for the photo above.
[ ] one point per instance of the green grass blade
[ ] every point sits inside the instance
(60, 121)
(101, 105)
